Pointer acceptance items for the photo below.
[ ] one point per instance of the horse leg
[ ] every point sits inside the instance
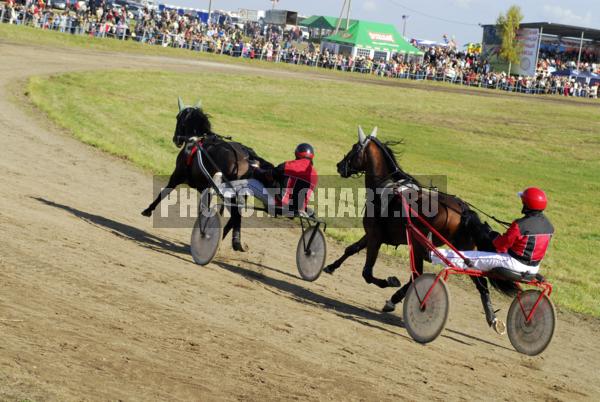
(482, 286)
(373, 246)
(236, 236)
(175, 180)
(348, 252)
(490, 315)
(235, 223)
(397, 297)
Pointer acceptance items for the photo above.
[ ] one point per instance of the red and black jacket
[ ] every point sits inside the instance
(298, 179)
(526, 239)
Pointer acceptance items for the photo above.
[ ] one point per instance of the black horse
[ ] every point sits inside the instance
(453, 218)
(233, 159)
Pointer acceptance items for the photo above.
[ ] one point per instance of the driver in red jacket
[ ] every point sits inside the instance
(522, 248)
(295, 181)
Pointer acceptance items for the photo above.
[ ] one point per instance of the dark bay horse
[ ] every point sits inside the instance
(448, 214)
(233, 159)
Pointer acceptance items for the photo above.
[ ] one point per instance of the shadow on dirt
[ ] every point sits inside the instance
(339, 308)
(474, 338)
(138, 236)
(303, 295)
(283, 288)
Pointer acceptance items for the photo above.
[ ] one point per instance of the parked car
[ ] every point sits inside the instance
(305, 33)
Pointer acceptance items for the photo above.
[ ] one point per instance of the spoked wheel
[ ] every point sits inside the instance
(425, 324)
(310, 261)
(531, 338)
(208, 231)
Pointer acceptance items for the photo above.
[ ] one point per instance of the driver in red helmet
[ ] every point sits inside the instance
(521, 248)
(296, 180)
(527, 238)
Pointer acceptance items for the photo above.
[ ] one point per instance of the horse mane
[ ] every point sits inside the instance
(480, 233)
(390, 152)
(192, 122)
(201, 120)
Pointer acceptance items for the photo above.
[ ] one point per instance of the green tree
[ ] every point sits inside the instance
(508, 25)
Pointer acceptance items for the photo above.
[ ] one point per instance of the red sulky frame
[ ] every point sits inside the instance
(412, 230)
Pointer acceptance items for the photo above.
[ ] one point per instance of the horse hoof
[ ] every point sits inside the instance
(238, 246)
(388, 307)
(147, 212)
(393, 282)
(499, 326)
(329, 269)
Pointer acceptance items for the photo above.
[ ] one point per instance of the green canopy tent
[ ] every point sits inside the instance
(370, 39)
(324, 22)
(321, 25)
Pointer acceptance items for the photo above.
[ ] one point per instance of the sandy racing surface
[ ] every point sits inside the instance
(96, 304)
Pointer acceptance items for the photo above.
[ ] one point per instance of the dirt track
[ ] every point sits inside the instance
(96, 304)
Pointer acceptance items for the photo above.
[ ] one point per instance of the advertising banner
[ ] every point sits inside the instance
(492, 43)
(529, 39)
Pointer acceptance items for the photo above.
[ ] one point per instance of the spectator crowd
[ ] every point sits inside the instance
(168, 28)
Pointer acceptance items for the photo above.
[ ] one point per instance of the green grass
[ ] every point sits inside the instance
(488, 147)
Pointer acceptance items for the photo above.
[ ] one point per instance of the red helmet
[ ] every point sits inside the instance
(533, 198)
(304, 151)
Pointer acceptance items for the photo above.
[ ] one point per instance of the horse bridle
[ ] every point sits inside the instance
(353, 172)
(348, 169)
(195, 130)
(197, 135)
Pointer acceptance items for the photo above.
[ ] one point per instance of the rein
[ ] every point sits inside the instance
(503, 223)
(197, 138)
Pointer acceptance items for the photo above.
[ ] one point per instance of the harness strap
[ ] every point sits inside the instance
(190, 158)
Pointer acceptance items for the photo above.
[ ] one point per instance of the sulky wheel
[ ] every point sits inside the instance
(208, 201)
(206, 236)
(425, 324)
(531, 338)
(310, 261)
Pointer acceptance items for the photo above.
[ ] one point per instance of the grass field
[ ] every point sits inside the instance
(489, 147)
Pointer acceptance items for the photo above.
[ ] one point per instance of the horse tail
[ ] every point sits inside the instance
(254, 156)
(480, 232)
(482, 235)
(505, 286)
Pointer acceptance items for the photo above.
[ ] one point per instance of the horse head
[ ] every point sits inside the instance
(191, 122)
(355, 161)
